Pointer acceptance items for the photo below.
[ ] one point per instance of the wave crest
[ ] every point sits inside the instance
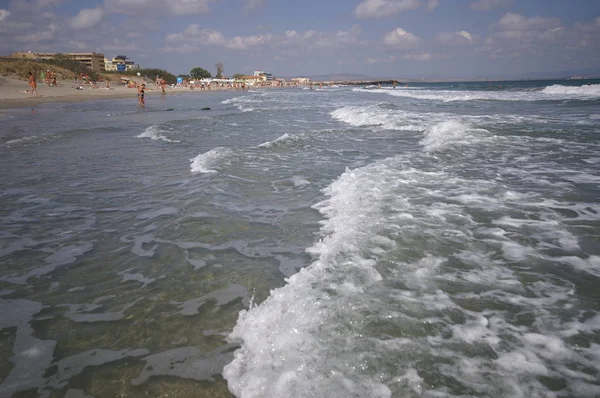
(154, 133)
(450, 133)
(205, 162)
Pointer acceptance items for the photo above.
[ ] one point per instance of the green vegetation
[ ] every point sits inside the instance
(219, 66)
(64, 70)
(200, 73)
(64, 61)
(151, 74)
(238, 76)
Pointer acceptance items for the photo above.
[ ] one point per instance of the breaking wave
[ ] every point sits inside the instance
(155, 133)
(208, 161)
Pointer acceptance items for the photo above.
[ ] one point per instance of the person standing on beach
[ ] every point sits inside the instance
(141, 92)
(32, 84)
(163, 83)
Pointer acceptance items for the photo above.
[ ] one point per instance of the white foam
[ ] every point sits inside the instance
(242, 103)
(287, 137)
(281, 354)
(375, 115)
(588, 90)
(206, 162)
(450, 133)
(154, 133)
(300, 181)
(555, 92)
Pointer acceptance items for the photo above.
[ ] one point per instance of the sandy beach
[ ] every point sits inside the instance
(14, 94)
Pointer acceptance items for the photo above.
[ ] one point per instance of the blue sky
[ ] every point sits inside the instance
(383, 38)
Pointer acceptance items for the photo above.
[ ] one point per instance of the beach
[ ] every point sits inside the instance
(436, 240)
(13, 92)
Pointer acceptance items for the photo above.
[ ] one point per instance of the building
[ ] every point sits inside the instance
(120, 63)
(251, 80)
(94, 61)
(268, 76)
(301, 80)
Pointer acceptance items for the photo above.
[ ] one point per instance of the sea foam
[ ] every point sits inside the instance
(206, 162)
(450, 133)
(284, 350)
(592, 90)
(155, 133)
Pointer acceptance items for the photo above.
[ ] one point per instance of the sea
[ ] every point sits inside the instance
(432, 240)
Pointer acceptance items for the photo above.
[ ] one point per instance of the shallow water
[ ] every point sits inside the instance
(435, 240)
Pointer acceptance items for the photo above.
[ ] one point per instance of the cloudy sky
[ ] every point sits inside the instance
(383, 38)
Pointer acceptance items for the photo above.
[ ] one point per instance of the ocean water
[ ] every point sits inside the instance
(436, 240)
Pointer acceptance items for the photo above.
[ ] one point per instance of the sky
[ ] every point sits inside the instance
(435, 39)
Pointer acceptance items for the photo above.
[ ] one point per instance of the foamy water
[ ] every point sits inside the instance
(439, 240)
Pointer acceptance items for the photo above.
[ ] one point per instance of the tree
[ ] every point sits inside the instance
(238, 76)
(200, 73)
(219, 66)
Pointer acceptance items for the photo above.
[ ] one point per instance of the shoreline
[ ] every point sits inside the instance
(16, 103)
(12, 95)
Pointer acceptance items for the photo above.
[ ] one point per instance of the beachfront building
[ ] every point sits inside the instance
(268, 76)
(120, 63)
(252, 80)
(301, 80)
(94, 61)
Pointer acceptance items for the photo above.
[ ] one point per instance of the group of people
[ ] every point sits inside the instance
(49, 78)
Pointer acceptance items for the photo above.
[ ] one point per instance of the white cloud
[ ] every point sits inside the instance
(587, 35)
(515, 34)
(373, 61)
(253, 4)
(455, 38)
(487, 5)
(158, 7)
(87, 18)
(400, 38)
(384, 8)
(4, 14)
(432, 4)
(46, 35)
(245, 42)
(193, 38)
(418, 56)
(48, 3)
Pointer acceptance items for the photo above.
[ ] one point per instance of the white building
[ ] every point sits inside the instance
(268, 76)
(301, 80)
(120, 63)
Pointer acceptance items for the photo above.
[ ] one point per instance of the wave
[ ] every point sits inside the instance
(154, 133)
(550, 93)
(450, 133)
(409, 292)
(376, 115)
(283, 353)
(23, 140)
(242, 103)
(592, 90)
(206, 162)
(285, 138)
